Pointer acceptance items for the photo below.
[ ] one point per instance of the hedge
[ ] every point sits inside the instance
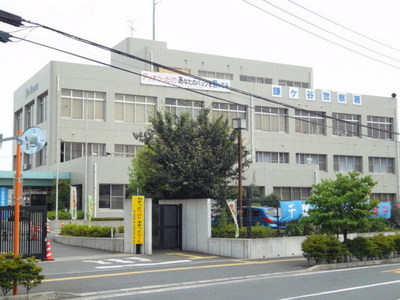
(327, 248)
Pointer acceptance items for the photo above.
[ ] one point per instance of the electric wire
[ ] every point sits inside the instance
(323, 38)
(302, 119)
(344, 27)
(330, 32)
(113, 50)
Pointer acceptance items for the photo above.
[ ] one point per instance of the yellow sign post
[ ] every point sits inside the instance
(138, 220)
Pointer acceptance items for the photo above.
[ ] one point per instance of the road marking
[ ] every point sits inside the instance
(126, 260)
(191, 256)
(343, 290)
(172, 269)
(145, 264)
(392, 271)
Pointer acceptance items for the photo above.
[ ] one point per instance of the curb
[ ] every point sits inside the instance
(353, 264)
(40, 296)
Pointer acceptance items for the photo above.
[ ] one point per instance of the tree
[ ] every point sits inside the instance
(63, 195)
(185, 157)
(342, 205)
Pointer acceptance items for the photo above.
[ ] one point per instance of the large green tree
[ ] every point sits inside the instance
(343, 205)
(185, 157)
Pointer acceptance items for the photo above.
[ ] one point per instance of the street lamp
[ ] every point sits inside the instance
(239, 124)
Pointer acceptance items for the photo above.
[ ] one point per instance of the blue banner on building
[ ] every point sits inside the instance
(293, 210)
(383, 210)
(296, 209)
(4, 200)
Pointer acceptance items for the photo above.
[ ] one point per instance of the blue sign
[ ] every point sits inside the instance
(293, 210)
(3, 196)
(4, 200)
(383, 210)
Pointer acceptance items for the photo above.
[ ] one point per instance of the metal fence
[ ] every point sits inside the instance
(32, 230)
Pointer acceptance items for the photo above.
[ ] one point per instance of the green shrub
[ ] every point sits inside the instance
(121, 229)
(385, 244)
(322, 248)
(396, 241)
(86, 230)
(65, 215)
(315, 247)
(16, 271)
(357, 247)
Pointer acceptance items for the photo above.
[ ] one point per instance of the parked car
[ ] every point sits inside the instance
(265, 216)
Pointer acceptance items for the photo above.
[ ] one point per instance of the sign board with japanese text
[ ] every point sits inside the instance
(4, 200)
(181, 81)
(74, 202)
(137, 220)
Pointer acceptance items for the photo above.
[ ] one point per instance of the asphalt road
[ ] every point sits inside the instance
(95, 274)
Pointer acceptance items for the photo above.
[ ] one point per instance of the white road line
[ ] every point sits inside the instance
(144, 265)
(343, 290)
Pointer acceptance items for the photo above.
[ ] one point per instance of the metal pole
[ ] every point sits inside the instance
(154, 20)
(17, 200)
(240, 193)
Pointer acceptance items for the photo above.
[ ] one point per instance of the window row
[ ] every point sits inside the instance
(302, 193)
(312, 122)
(71, 150)
(341, 163)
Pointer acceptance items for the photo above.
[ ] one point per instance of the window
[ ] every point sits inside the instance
(111, 196)
(82, 104)
(380, 127)
(309, 122)
(18, 120)
(381, 165)
(134, 108)
(343, 163)
(219, 75)
(315, 159)
(126, 150)
(292, 193)
(272, 157)
(384, 197)
(247, 78)
(41, 157)
(271, 119)
(29, 115)
(27, 162)
(350, 126)
(293, 83)
(42, 108)
(230, 111)
(70, 151)
(180, 106)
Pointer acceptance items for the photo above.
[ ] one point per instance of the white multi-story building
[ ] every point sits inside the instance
(300, 137)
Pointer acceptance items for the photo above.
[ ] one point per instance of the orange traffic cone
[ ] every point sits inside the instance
(47, 227)
(48, 251)
(35, 230)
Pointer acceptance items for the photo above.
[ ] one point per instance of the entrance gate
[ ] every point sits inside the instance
(32, 230)
(167, 226)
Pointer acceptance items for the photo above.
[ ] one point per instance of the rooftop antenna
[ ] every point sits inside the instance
(155, 2)
(131, 26)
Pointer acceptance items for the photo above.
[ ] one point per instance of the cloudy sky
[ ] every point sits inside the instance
(352, 45)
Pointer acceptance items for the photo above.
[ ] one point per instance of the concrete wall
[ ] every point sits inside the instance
(196, 223)
(108, 244)
(264, 248)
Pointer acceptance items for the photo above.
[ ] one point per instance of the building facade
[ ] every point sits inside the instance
(297, 135)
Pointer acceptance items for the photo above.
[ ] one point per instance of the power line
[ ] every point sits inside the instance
(330, 32)
(321, 37)
(322, 115)
(344, 27)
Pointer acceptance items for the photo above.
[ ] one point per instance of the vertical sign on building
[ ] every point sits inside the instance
(73, 203)
(137, 220)
(4, 200)
(90, 207)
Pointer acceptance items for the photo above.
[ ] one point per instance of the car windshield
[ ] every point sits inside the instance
(273, 212)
